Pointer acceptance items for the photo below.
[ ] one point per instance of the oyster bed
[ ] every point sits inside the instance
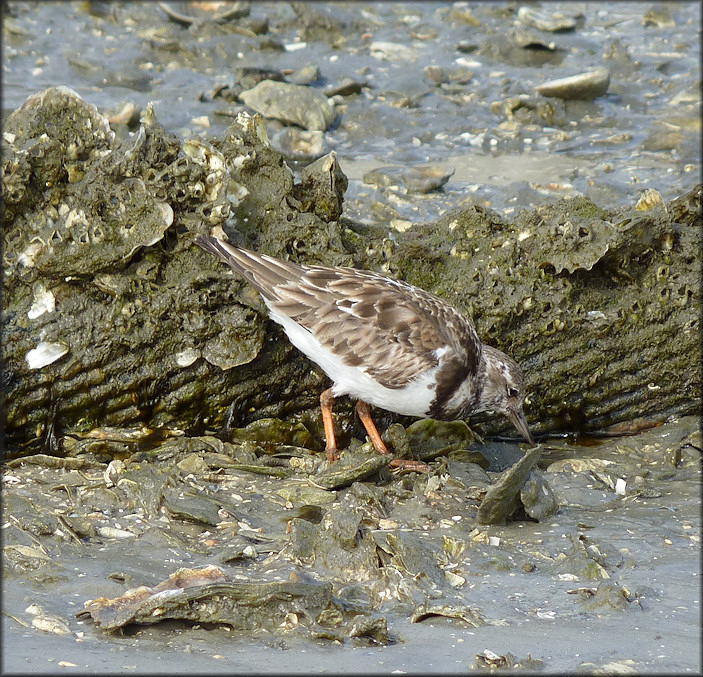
(241, 557)
(114, 317)
(136, 540)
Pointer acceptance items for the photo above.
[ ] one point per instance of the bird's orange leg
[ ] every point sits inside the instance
(326, 402)
(362, 408)
(364, 411)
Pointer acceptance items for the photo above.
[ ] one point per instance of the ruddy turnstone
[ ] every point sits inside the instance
(381, 341)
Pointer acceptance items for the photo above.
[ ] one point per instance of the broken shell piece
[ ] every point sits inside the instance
(455, 580)
(45, 353)
(546, 21)
(584, 86)
(27, 257)
(186, 357)
(166, 212)
(43, 302)
(649, 199)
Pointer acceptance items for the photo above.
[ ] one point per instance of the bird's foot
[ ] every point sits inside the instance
(407, 464)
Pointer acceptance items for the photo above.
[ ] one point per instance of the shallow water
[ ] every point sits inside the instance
(523, 578)
(599, 148)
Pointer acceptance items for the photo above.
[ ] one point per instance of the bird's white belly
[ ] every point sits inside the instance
(411, 400)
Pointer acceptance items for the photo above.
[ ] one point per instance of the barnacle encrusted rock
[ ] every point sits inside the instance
(112, 317)
(598, 305)
(96, 264)
(67, 216)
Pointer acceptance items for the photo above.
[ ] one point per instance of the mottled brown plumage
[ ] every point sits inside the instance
(382, 341)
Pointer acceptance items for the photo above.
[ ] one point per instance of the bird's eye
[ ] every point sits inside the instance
(513, 392)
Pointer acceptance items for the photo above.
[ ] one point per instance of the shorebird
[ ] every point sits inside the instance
(381, 341)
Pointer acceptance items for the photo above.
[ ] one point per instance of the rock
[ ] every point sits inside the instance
(250, 76)
(304, 494)
(545, 21)
(190, 506)
(531, 110)
(608, 596)
(345, 87)
(511, 50)
(661, 138)
(424, 31)
(659, 16)
(126, 114)
(309, 108)
(305, 75)
(321, 188)
(269, 433)
(373, 629)
(392, 51)
(429, 438)
(526, 37)
(187, 14)
(61, 240)
(501, 499)
(435, 74)
(466, 47)
(207, 596)
(471, 616)
(619, 58)
(420, 179)
(352, 468)
(584, 86)
(299, 144)
(537, 497)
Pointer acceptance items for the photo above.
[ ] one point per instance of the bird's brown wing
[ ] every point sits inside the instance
(393, 330)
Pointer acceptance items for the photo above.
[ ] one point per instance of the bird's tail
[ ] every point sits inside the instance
(264, 272)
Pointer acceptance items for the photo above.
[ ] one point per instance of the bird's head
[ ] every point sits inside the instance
(504, 389)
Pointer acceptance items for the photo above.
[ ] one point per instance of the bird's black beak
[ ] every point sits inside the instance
(517, 416)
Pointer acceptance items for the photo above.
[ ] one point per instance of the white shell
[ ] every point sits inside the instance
(43, 302)
(26, 258)
(166, 212)
(186, 357)
(45, 353)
